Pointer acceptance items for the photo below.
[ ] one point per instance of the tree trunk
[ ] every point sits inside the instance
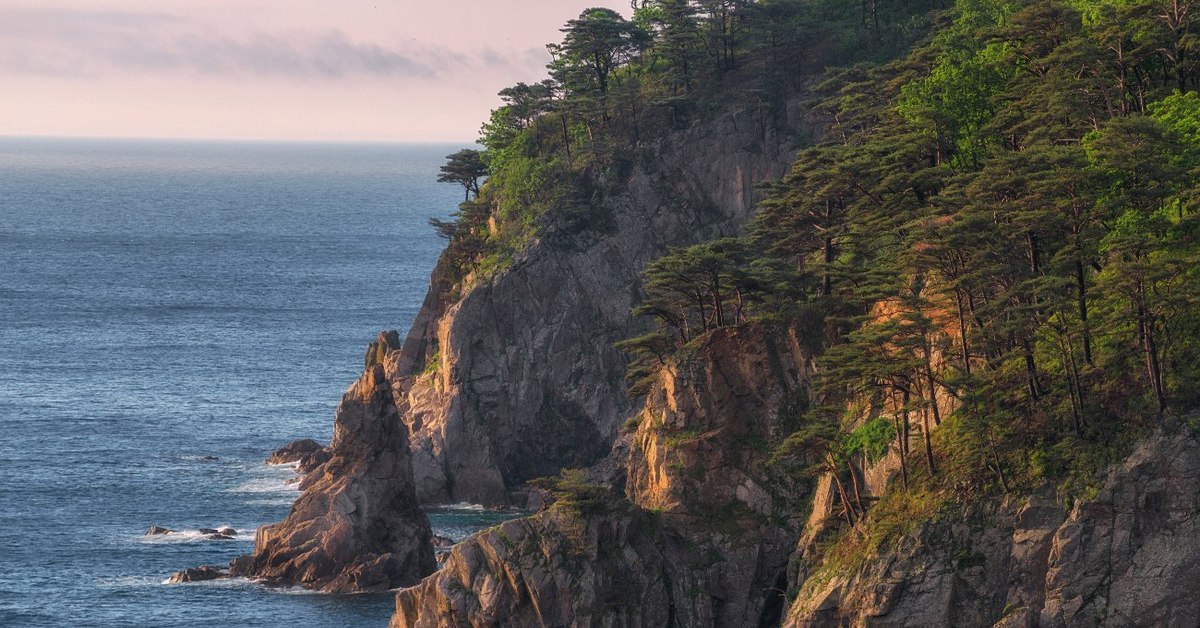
(928, 443)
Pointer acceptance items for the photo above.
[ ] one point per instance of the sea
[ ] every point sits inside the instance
(170, 313)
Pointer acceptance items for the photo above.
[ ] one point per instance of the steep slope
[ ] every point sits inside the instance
(357, 526)
(1126, 557)
(701, 538)
(526, 379)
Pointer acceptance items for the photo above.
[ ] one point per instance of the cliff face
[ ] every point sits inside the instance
(527, 380)
(357, 526)
(1126, 557)
(702, 537)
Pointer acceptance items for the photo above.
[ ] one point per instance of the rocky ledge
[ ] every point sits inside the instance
(1123, 558)
(307, 453)
(357, 526)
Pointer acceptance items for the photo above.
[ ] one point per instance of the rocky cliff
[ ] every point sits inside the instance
(700, 538)
(518, 377)
(357, 526)
(1125, 557)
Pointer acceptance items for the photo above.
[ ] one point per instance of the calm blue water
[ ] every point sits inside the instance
(166, 303)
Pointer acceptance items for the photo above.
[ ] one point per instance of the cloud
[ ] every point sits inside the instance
(67, 43)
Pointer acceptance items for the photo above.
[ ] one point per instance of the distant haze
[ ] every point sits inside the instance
(369, 70)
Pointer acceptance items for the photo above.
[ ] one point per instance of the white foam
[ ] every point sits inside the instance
(245, 533)
(280, 501)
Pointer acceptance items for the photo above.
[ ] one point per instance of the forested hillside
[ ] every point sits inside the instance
(976, 288)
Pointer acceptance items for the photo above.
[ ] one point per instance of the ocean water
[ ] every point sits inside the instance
(170, 312)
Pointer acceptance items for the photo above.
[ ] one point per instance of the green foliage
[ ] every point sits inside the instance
(575, 493)
(464, 168)
(871, 439)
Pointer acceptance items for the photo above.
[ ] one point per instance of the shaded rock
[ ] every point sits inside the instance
(156, 530)
(306, 452)
(198, 574)
(219, 537)
(294, 451)
(227, 531)
(207, 531)
(377, 351)
(440, 542)
(357, 525)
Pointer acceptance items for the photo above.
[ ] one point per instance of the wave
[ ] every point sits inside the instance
(260, 485)
(126, 582)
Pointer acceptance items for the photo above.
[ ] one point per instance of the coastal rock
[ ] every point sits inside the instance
(1126, 557)
(198, 574)
(307, 453)
(357, 525)
(156, 530)
(294, 451)
(516, 376)
(683, 547)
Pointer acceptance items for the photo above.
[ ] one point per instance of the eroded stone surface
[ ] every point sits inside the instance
(357, 525)
(1127, 557)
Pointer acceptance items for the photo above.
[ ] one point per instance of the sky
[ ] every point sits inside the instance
(328, 70)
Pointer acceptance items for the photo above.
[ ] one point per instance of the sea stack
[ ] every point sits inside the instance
(357, 526)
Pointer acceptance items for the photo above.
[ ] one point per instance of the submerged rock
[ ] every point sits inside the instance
(198, 574)
(357, 525)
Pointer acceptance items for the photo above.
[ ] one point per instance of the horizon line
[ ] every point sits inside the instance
(247, 140)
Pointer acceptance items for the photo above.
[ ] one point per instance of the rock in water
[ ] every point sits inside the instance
(198, 574)
(308, 453)
(357, 526)
(294, 451)
(156, 530)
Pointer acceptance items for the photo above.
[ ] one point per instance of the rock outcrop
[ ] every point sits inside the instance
(1126, 557)
(701, 538)
(307, 453)
(198, 574)
(518, 377)
(357, 526)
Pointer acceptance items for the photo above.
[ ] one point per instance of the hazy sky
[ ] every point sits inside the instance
(422, 70)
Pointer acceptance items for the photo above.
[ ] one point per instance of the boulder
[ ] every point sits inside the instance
(156, 530)
(306, 452)
(198, 574)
